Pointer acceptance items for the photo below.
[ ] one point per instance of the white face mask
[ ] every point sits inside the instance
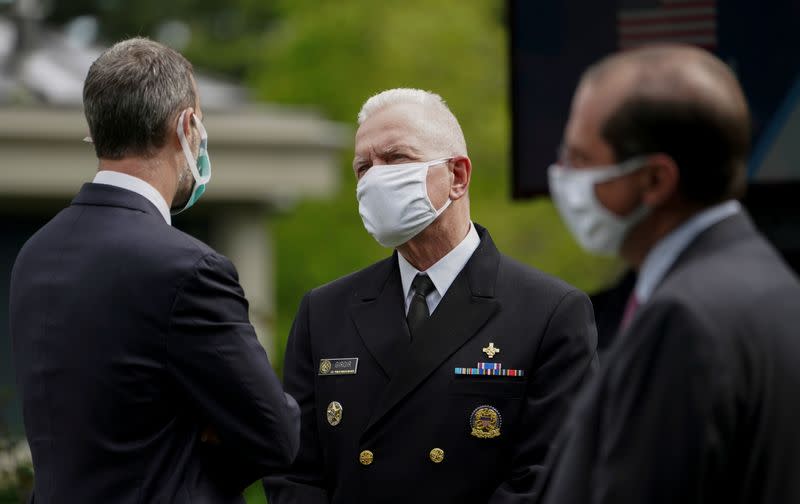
(597, 229)
(393, 201)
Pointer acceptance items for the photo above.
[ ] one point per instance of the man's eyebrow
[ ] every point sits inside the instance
(395, 149)
(386, 151)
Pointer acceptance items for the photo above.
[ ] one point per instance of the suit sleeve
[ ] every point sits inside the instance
(217, 361)
(567, 357)
(304, 482)
(657, 438)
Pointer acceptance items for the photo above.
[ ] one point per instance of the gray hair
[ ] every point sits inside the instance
(443, 121)
(132, 95)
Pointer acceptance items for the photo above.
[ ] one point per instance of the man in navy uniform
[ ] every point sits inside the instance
(132, 341)
(442, 373)
(697, 397)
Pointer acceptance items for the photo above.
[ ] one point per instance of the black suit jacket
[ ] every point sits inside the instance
(405, 399)
(697, 401)
(130, 337)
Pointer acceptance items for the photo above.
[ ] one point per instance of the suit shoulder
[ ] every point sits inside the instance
(184, 242)
(707, 282)
(520, 276)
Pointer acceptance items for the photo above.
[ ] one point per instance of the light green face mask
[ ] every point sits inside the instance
(200, 167)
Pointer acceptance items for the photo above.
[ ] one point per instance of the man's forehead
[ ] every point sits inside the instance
(593, 103)
(377, 135)
(600, 98)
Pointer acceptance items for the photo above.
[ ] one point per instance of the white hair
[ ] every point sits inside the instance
(446, 123)
(399, 96)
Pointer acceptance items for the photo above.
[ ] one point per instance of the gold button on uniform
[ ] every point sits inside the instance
(366, 457)
(436, 455)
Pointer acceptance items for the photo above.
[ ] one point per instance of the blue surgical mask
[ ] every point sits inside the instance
(200, 167)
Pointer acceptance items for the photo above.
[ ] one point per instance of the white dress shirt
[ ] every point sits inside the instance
(443, 273)
(136, 185)
(666, 252)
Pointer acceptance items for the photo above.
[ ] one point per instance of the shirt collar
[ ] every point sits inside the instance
(666, 252)
(137, 185)
(446, 269)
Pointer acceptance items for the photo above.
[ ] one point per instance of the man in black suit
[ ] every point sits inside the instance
(141, 377)
(697, 398)
(442, 373)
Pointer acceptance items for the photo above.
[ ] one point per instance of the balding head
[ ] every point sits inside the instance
(432, 118)
(681, 101)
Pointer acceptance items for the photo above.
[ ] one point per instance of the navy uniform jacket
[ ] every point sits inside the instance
(697, 401)
(405, 430)
(130, 337)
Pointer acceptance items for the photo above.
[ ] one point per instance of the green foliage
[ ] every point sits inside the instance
(254, 494)
(224, 35)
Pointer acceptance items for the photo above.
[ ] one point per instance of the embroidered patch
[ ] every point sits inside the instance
(485, 422)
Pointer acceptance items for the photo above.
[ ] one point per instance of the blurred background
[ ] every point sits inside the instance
(281, 83)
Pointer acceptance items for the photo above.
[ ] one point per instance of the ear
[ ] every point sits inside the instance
(185, 118)
(461, 168)
(186, 122)
(660, 178)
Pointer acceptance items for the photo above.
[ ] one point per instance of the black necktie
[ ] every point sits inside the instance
(418, 309)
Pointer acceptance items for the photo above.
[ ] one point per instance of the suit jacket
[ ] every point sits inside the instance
(609, 307)
(405, 399)
(130, 337)
(697, 401)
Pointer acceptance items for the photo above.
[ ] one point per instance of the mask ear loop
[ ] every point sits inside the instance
(425, 186)
(624, 168)
(204, 179)
(186, 150)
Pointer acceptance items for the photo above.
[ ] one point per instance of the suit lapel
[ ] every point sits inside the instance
(468, 304)
(378, 312)
(717, 237)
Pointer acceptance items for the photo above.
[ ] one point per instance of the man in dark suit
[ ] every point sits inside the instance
(697, 398)
(141, 377)
(442, 373)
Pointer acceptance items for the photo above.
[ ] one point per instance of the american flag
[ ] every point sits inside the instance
(680, 21)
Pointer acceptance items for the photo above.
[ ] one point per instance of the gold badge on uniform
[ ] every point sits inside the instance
(485, 421)
(334, 413)
(325, 366)
(338, 366)
(491, 350)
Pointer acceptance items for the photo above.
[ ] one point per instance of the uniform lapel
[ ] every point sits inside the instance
(378, 312)
(468, 304)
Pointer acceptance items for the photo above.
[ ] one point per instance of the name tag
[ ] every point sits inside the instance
(340, 366)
